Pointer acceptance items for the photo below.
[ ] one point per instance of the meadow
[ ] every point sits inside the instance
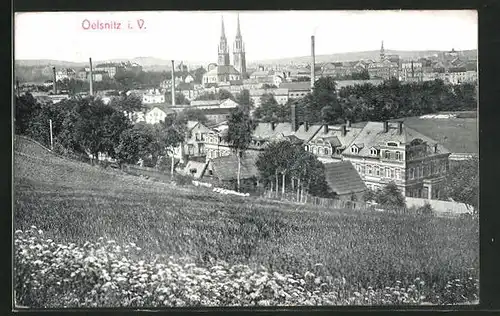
(72, 219)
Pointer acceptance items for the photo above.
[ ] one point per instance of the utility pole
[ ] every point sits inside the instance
(51, 139)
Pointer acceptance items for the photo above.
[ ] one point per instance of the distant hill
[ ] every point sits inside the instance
(150, 63)
(352, 56)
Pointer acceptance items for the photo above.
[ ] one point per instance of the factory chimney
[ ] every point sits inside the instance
(54, 86)
(313, 63)
(91, 77)
(173, 83)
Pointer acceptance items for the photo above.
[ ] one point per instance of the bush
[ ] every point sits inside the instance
(391, 197)
(105, 274)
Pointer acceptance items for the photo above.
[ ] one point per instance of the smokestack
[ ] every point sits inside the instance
(348, 123)
(400, 128)
(386, 127)
(313, 62)
(91, 79)
(343, 130)
(173, 83)
(294, 117)
(54, 86)
(325, 128)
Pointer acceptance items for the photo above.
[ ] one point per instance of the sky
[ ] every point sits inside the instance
(194, 35)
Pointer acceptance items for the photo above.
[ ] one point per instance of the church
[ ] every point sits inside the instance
(223, 71)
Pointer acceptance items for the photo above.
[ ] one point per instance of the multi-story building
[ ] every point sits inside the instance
(152, 97)
(296, 90)
(280, 94)
(193, 146)
(386, 68)
(157, 115)
(384, 152)
(411, 71)
(66, 73)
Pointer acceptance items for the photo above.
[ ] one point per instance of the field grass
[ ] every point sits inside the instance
(459, 135)
(76, 203)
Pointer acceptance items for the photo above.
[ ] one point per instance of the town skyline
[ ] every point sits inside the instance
(259, 43)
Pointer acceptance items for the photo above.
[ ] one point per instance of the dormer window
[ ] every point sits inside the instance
(354, 150)
(398, 155)
(374, 151)
(326, 151)
(387, 154)
(392, 144)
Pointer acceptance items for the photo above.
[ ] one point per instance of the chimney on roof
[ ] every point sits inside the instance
(325, 128)
(306, 126)
(294, 117)
(386, 127)
(313, 62)
(435, 148)
(348, 123)
(91, 78)
(173, 83)
(343, 130)
(273, 125)
(54, 86)
(400, 128)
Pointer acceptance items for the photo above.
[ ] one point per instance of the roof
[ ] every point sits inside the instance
(226, 168)
(223, 70)
(334, 134)
(191, 124)
(343, 178)
(294, 86)
(265, 131)
(373, 135)
(311, 131)
(263, 73)
(200, 168)
(260, 92)
(347, 83)
(205, 102)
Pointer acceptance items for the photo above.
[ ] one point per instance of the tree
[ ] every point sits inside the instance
(128, 103)
(207, 96)
(224, 94)
(462, 182)
(243, 98)
(169, 135)
(193, 115)
(390, 196)
(134, 144)
(268, 109)
(26, 107)
(198, 74)
(269, 86)
(239, 134)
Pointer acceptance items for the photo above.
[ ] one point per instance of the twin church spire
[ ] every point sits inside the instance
(238, 49)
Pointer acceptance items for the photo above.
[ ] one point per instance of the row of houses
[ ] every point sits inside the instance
(356, 156)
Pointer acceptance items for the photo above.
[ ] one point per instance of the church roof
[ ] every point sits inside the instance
(223, 70)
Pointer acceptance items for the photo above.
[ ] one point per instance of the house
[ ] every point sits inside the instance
(330, 141)
(66, 73)
(384, 69)
(349, 83)
(296, 89)
(153, 96)
(280, 94)
(188, 90)
(411, 71)
(384, 152)
(344, 180)
(157, 114)
(224, 170)
(110, 68)
(195, 169)
(193, 145)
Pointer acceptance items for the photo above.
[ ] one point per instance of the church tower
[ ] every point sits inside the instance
(382, 52)
(239, 52)
(223, 49)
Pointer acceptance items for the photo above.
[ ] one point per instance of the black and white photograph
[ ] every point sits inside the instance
(200, 159)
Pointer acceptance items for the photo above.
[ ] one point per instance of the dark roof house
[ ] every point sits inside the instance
(343, 179)
(226, 168)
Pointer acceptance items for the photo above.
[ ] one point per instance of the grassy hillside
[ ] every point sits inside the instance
(460, 135)
(77, 203)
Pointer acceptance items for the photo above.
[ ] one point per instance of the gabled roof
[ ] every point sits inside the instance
(191, 124)
(265, 131)
(311, 132)
(373, 135)
(205, 102)
(223, 70)
(343, 178)
(336, 131)
(226, 167)
(199, 166)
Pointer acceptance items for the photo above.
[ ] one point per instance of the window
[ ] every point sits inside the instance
(387, 154)
(362, 169)
(398, 174)
(354, 150)
(392, 144)
(306, 147)
(392, 175)
(412, 173)
(377, 171)
(369, 169)
(373, 151)
(398, 155)
(326, 151)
